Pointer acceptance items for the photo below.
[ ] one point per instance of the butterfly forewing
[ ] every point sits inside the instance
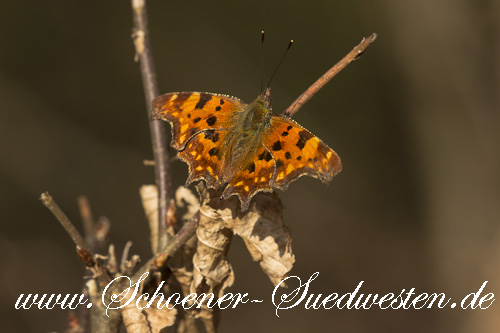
(191, 112)
(298, 152)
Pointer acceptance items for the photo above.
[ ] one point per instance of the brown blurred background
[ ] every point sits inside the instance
(416, 122)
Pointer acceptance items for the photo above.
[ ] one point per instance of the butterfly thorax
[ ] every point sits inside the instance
(246, 136)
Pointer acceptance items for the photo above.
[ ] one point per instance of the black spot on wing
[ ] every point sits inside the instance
(277, 146)
(209, 135)
(204, 98)
(218, 108)
(221, 101)
(212, 151)
(211, 121)
(265, 155)
(181, 98)
(197, 119)
(189, 115)
(279, 164)
(303, 138)
(299, 158)
(212, 135)
(289, 128)
(251, 168)
(288, 155)
(285, 133)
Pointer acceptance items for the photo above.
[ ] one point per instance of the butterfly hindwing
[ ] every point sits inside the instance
(191, 112)
(298, 152)
(202, 156)
(255, 176)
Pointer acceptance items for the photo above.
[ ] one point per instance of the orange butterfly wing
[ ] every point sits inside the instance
(198, 122)
(252, 178)
(201, 155)
(298, 152)
(191, 112)
(288, 152)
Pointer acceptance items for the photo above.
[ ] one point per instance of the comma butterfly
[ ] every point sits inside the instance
(242, 148)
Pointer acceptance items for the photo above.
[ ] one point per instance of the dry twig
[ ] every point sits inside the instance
(158, 128)
(87, 219)
(320, 83)
(84, 253)
(98, 321)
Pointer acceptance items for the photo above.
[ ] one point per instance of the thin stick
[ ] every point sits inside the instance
(187, 231)
(49, 202)
(158, 128)
(88, 221)
(316, 86)
(126, 250)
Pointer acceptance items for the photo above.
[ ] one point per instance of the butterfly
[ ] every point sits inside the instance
(242, 148)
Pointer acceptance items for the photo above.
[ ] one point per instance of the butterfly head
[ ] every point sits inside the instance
(265, 98)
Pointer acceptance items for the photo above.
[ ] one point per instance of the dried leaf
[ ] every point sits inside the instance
(267, 238)
(210, 320)
(212, 271)
(134, 320)
(182, 268)
(187, 325)
(149, 198)
(158, 319)
(184, 198)
(261, 227)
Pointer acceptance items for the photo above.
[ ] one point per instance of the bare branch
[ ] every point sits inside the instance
(87, 219)
(112, 263)
(316, 86)
(101, 232)
(158, 128)
(126, 250)
(84, 253)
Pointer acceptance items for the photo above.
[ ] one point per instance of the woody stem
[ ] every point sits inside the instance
(158, 128)
(49, 202)
(320, 83)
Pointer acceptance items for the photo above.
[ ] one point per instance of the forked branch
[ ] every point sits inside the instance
(84, 253)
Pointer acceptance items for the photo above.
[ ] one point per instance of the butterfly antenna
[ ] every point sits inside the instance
(282, 57)
(262, 61)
